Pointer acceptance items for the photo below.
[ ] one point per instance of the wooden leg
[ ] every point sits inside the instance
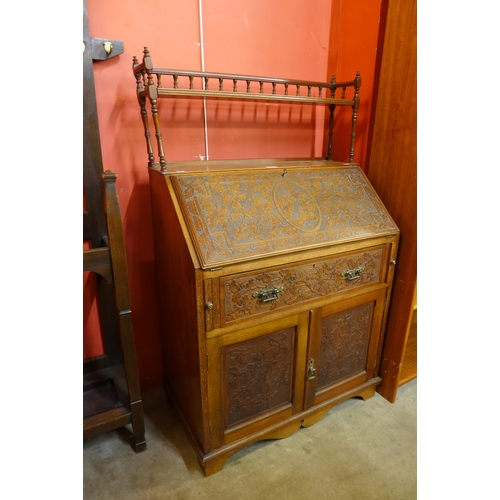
(368, 393)
(213, 466)
(139, 440)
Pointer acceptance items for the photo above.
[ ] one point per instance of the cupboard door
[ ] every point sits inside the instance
(256, 377)
(343, 342)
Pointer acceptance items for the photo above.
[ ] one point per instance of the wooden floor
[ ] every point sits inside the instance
(409, 370)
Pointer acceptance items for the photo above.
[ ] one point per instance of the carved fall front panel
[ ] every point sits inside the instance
(240, 215)
(258, 375)
(300, 283)
(344, 344)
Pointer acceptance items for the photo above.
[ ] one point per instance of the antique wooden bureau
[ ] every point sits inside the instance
(274, 278)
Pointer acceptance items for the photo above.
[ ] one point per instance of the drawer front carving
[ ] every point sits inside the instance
(258, 375)
(258, 293)
(344, 344)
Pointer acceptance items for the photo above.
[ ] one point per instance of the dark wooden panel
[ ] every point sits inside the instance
(92, 157)
(344, 344)
(104, 422)
(98, 260)
(87, 234)
(258, 375)
(94, 364)
(98, 48)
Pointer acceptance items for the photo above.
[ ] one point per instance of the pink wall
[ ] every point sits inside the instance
(289, 39)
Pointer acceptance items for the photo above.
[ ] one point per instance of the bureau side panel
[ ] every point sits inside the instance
(176, 283)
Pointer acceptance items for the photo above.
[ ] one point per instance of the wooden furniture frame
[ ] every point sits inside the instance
(272, 308)
(111, 393)
(112, 397)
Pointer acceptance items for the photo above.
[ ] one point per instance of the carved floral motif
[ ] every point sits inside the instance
(238, 215)
(300, 283)
(344, 344)
(258, 375)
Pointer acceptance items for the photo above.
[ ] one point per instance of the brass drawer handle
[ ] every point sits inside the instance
(268, 295)
(352, 274)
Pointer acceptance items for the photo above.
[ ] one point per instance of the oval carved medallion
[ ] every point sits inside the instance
(297, 206)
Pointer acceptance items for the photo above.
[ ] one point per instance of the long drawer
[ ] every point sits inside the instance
(246, 295)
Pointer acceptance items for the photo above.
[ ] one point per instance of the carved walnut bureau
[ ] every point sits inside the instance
(274, 278)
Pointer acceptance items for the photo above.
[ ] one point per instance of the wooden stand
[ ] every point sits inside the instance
(111, 390)
(111, 393)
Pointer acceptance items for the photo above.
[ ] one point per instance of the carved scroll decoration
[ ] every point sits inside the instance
(344, 344)
(258, 375)
(237, 216)
(300, 283)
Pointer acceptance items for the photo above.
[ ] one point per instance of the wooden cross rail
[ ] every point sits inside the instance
(226, 87)
(103, 226)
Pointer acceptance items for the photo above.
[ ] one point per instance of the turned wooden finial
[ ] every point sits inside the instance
(358, 79)
(333, 81)
(148, 62)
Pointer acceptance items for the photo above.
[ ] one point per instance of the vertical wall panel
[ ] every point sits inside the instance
(393, 172)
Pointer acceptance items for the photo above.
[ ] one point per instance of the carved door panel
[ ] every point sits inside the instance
(343, 344)
(256, 377)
